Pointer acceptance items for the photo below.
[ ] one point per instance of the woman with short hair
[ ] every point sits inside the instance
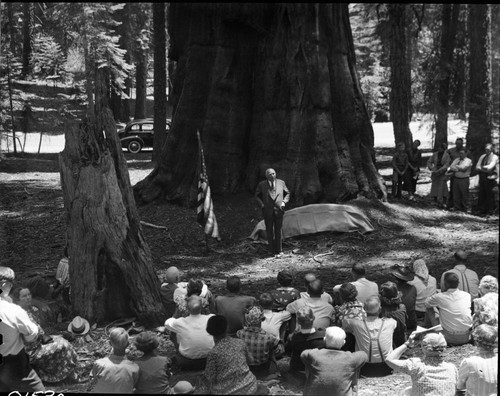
(478, 374)
(486, 306)
(392, 307)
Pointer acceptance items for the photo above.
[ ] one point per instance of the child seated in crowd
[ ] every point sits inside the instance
(285, 294)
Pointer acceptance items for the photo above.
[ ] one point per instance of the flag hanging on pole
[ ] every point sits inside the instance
(205, 210)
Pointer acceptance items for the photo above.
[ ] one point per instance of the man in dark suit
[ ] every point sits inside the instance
(272, 195)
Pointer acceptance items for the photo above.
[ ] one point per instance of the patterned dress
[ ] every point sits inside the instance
(227, 371)
(348, 310)
(55, 361)
(485, 310)
(430, 377)
(283, 296)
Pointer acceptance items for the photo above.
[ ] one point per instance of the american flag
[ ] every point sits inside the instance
(205, 210)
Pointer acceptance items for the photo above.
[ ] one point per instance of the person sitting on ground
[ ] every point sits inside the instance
(402, 274)
(478, 374)
(330, 371)
(365, 287)
(308, 279)
(307, 337)
(426, 287)
(430, 376)
(41, 297)
(454, 311)
(167, 291)
(261, 345)
(233, 305)
(468, 280)
(154, 369)
(275, 323)
(351, 308)
(16, 328)
(194, 341)
(374, 337)
(227, 371)
(486, 306)
(194, 287)
(115, 373)
(322, 310)
(53, 357)
(392, 307)
(285, 294)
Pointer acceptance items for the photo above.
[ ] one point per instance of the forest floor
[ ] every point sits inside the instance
(32, 239)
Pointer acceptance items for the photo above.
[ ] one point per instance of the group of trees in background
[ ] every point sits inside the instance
(291, 85)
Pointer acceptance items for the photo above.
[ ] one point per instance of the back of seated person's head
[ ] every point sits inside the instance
(266, 301)
(348, 292)
(147, 342)
(315, 288)
(305, 317)
(451, 280)
(486, 337)
(254, 316)
(334, 337)
(389, 294)
(217, 325)
(460, 256)
(433, 344)
(172, 275)
(233, 284)
(372, 305)
(118, 338)
(7, 274)
(308, 278)
(194, 287)
(488, 284)
(358, 270)
(194, 304)
(284, 278)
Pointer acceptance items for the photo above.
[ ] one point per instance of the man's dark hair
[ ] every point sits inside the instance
(359, 269)
(266, 301)
(315, 288)
(451, 280)
(216, 325)
(284, 278)
(233, 284)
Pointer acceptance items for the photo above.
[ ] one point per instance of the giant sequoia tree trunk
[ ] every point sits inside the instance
(400, 96)
(479, 99)
(266, 85)
(110, 263)
(26, 39)
(449, 21)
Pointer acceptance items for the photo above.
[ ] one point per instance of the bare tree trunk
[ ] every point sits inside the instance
(449, 20)
(160, 79)
(400, 85)
(110, 263)
(26, 39)
(266, 85)
(12, 29)
(141, 76)
(479, 99)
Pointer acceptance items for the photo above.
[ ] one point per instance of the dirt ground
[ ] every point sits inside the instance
(32, 239)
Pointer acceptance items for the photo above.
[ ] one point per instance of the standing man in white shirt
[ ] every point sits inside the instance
(468, 281)
(454, 311)
(194, 341)
(460, 170)
(486, 167)
(16, 327)
(272, 195)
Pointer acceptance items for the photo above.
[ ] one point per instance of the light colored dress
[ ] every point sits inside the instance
(479, 375)
(439, 188)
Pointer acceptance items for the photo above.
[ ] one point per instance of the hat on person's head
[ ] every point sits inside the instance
(460, 255)
(254, 316)
(79, 326)
(402, 272)
(183, 388)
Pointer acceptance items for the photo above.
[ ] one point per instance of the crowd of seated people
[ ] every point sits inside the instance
(235, 340)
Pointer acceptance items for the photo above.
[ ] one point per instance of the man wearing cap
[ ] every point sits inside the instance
(194, 341)
(16, 327)
(329, 370)
(272, 195)
(454, 310)
(373, 336)
(468, 280)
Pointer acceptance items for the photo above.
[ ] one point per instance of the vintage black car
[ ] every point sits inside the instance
(138, 134)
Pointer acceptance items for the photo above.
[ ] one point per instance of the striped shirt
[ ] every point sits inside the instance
(478, 375)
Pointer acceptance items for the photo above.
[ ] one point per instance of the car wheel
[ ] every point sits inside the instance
(134, 147)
